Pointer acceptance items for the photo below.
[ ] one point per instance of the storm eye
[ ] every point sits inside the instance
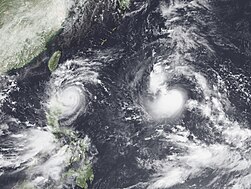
(67, 92)
(66, 104)
(71, 99)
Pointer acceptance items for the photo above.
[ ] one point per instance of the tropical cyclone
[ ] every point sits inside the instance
(164, 59)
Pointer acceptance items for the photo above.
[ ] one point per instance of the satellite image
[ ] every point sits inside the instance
(125, 94)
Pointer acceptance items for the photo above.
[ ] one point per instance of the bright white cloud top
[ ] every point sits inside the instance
(168, 104)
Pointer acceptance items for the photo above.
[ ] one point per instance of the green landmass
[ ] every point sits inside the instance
(124, 4)
(84, 176)
(53, 62)
(24, 185)
(79, 167)
(26, 27)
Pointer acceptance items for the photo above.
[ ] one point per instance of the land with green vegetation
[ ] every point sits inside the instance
(53, 62)
(26, 26)
(79, 167)
(124, 4)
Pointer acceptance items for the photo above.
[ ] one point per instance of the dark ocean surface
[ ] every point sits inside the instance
(159, 94)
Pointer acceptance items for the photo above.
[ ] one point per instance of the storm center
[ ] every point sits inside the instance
(71, 99)
(168, 104)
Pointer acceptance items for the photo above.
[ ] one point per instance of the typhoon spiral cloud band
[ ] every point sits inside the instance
(71, 100)
(67, 94)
